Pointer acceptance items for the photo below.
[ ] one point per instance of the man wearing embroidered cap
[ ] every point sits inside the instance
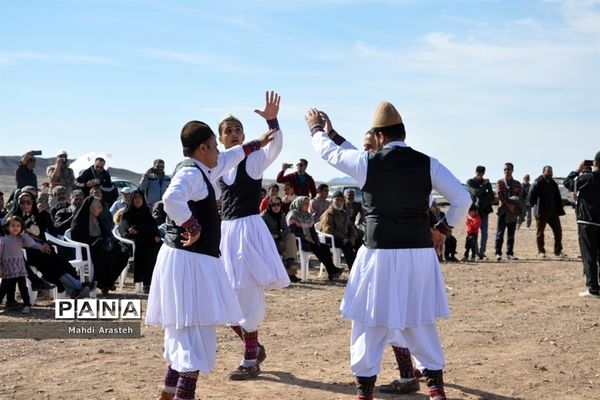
(190, 293)
(249, 253)
(397, 264)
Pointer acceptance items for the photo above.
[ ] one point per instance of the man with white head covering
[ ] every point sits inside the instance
(397, 264)
(251, 259)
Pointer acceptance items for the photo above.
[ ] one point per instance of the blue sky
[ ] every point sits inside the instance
(476, 82)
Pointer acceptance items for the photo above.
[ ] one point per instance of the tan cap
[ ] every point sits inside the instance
(386, 115)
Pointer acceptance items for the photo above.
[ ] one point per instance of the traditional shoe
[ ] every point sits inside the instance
(436, 393)
(398, 387)
(242, 373)
(166, 395)
(262, 354)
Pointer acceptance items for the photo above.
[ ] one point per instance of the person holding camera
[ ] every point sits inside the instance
(303, 183)
(24, 175)
(60, 174)
(585, 182)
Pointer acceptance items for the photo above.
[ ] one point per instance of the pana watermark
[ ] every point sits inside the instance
(94, 309)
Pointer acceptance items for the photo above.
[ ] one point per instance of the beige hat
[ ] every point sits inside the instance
(386, 115)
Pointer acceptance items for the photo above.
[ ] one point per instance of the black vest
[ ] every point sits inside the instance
(206, 213)
(396, 199)
(242, 198)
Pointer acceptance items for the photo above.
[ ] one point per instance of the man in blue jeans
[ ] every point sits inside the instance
(482, 195)
(511, 206)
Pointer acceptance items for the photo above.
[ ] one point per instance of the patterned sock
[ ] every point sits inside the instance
(404, 361)
(250, 345)
(238, 330)
(435, 382)
(365, 386)
(186, 386)
(171, 380)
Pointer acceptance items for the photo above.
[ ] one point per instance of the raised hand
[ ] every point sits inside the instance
(328, 126)
(266, 137)
(314, 119)
(271, 107)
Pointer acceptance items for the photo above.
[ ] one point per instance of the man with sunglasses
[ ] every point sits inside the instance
(96, 176)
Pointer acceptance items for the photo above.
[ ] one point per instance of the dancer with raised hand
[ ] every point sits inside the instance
(251, 259)
(397, 265)
(190, 293)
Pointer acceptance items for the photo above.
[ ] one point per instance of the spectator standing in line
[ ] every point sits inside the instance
(273, 192)
(526, 216)
(548, 207)
(472, 222)
(511, 206)
(319, 204)
(60, 174)
(585, 182)
(303, 183)
(24, 175)
(482, 195)
(155, 182)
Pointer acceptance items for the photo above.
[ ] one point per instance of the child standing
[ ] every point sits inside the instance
(473, 222)
(12, 262)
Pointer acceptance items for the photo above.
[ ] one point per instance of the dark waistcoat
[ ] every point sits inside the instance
(242, 198)
(396, 199)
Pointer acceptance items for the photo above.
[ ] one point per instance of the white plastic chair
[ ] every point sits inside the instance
(303, 259)
(336, 252)
(131, 243)
(85, 268)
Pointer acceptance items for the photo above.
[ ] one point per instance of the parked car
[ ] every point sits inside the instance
(342, 188)
(566, 196)
(121, 183)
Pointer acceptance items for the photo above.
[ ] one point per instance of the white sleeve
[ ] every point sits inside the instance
(260, 160)
(227, 160)
(187, 184)
(346, 159)
(450, 187)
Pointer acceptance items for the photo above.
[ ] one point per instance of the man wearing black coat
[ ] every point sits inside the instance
(482, 195)
(547, 203)
(586, 184)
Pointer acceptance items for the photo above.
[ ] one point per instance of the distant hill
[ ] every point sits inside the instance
(8, 166)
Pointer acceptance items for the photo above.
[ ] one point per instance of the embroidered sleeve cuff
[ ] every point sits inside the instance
(191, 226)
(251, 147)
(316, 128)
(273, 123)
(336, 137)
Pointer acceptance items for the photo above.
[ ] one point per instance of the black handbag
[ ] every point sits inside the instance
(107, 244)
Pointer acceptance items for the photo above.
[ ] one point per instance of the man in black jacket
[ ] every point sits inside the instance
(587, 187)
(547, 203)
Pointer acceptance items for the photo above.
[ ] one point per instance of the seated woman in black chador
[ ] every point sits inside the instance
(138, 225)
(107, 255)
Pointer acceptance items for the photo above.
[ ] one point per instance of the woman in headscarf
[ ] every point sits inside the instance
(108, 258)
(284, 239)
(53, 267)
(301, 223)
(138, 225)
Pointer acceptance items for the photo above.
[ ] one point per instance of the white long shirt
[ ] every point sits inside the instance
(188, 183)
(353, 162)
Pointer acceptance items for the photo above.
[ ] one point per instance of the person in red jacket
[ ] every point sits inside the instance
(473, 222)
(303, 183)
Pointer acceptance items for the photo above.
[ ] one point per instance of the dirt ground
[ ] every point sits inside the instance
(518, 331)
